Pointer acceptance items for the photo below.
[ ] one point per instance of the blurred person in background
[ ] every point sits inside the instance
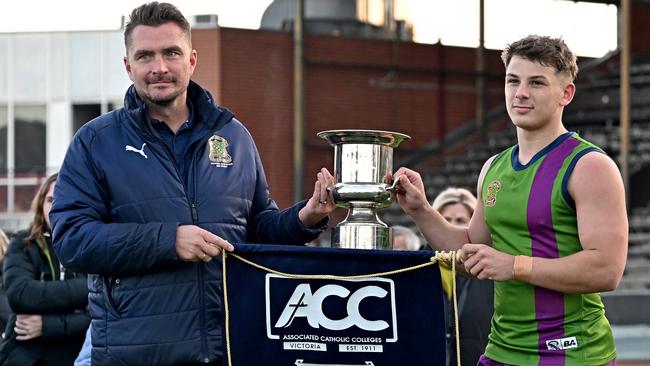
(475, 297)
(49, 303)
(405, 238)
(5, 310)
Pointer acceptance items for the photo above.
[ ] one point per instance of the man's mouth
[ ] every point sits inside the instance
(522, 108)
(154, 81)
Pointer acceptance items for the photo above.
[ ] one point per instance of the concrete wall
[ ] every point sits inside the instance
(627, 308)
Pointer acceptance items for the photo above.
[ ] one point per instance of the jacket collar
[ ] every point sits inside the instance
(206, 113)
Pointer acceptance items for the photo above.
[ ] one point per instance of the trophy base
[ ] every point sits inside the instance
(362, 236)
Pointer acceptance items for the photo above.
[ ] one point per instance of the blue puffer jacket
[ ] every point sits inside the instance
(116, 212)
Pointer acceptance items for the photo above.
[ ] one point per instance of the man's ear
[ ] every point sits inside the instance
(193, 59)
(127, 66)
(568, 93)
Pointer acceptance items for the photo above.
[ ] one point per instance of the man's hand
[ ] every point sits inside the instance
(486, 263)
(321, 203)
(194, 244)
(28, 327)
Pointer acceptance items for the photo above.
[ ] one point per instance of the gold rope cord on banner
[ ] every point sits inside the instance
(447, 257)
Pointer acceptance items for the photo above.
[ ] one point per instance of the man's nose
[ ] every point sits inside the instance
(159, 65)
(521, 92)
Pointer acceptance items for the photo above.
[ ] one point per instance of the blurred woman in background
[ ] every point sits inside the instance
(5, 310)
(49, 303)
(475, 297)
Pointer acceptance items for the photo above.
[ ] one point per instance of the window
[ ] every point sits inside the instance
(82, 113)
(3, 140)
(24, 194)
(30, 140)
(3, 156)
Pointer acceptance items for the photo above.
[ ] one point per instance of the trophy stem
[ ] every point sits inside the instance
(362, 229)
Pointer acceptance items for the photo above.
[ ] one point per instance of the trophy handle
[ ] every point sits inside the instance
(395, 187)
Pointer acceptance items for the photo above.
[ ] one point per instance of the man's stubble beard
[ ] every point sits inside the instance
(162, 102)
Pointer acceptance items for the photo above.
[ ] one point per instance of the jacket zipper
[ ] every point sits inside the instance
(191, 184)
(195, 219)
(195, 215)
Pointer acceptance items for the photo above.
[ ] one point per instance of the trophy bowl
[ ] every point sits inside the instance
(363, 166)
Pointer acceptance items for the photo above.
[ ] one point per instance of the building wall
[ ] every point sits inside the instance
(640, 14)
(43, 76)
(255, 81)
(207, 72)
(421, 90)
(639, 26)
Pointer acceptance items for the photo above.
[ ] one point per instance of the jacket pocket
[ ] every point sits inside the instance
(108, 296)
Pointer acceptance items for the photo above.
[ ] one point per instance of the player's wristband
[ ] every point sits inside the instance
(522, 269)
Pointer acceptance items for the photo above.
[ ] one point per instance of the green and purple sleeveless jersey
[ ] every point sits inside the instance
(530, 212)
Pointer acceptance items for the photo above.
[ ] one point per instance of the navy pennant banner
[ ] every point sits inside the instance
(292, 306)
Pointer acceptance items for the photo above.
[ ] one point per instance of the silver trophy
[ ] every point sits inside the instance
(363, 166)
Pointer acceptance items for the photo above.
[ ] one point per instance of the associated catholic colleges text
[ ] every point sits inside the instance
(322, 338)
(311, 342)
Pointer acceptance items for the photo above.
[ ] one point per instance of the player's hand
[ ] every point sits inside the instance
(28, 327)
(410, 192)
(486, 263)
(194, 244)
(321, 203)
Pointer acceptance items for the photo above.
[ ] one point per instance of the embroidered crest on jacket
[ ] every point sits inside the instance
(218, 147)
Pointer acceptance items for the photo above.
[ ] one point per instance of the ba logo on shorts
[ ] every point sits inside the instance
(364, 308)
(561, 344)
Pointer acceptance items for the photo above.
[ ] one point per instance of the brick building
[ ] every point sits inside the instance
(57, 81)
(417, 89)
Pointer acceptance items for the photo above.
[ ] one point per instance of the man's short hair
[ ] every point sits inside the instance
(547, 51)
(154, 14)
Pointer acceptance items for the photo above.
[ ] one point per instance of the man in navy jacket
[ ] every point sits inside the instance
(150, 193)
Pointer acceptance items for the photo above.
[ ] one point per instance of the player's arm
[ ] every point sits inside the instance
(478, 230)
(597, 189)
(440, 234)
